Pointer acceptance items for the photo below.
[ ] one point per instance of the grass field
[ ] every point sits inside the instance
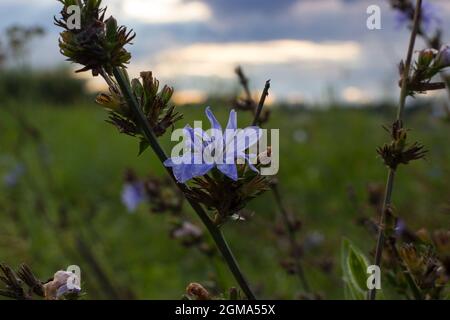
(72, 200)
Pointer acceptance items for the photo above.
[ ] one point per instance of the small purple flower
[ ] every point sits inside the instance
(203, 151)
(430, 16)
(443, 57)
(11, 179)
(400, 227)
(132, 195)
(187, 229)
(401, 18)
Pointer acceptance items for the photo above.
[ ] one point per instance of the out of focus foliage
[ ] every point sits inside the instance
(18, 81)
(54, 86)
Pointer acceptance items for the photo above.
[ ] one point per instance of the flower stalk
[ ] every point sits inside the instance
(392, 170)
(261, 103)
(215, 232)
(257, 109)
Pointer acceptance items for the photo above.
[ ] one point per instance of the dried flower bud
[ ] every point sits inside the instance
(166, 94)
(234, 293)
(98, 44)
(411, 258)
(155, 106)
(13, 285)
(113, 102)
(198, 292)
(398, 151)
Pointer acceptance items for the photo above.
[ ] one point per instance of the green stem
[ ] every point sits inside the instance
(391, 176)
(215, 232)
(380, 240)
(405, 78)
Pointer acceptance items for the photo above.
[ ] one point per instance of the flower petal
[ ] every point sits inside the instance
(132, 196)
(232, 121)
(247, 137)
(214, 123)
(230, 170)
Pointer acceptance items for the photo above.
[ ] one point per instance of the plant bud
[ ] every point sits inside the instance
(166, 94)
(426, 57)
(108, 102)
(111, 29)
(198, 292)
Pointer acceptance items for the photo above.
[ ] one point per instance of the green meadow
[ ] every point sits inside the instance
(66, 205)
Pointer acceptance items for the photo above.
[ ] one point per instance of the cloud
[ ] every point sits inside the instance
(195, 44)
(219, 59)
(166, 11)
(355, 95)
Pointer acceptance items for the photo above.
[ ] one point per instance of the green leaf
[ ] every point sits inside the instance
(354, 267)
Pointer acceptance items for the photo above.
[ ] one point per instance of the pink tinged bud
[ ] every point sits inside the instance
(426, 56)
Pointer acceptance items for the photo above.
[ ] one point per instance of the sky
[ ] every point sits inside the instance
(312, 50)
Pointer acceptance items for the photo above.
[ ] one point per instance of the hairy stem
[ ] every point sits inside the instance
(215, 232)
(401, 109)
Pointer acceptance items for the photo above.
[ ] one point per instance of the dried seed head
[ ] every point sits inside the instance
(161, 115)
(398, 151)
(98, 44)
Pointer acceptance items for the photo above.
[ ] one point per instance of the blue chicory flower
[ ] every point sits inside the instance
(132, 195)
(221, 149)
